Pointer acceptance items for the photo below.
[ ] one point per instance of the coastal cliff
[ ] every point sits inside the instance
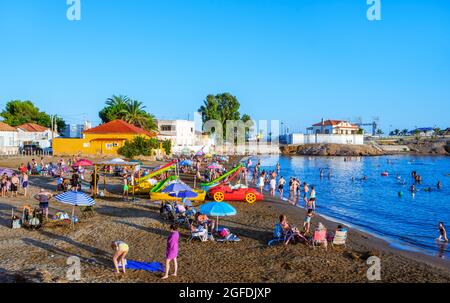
(331, 150)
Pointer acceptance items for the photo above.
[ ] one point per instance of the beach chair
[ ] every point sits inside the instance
(278, 235)
(320, 238)
(340, 238)
(200, 235)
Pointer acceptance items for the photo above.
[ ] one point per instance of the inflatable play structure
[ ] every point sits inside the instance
(225, 177)
(157, 193)
(221, 189)
(144, 184)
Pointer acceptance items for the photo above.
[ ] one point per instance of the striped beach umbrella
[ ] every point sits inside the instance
(75, 198)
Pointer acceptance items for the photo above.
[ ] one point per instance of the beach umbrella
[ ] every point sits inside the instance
(185, 194)
(176, 187)
(75, 198)
(7, 171)
(214, 166)
(218, 209)
(83, 162)
(186, 163)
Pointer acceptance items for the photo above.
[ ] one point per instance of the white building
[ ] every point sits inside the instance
(333, 127)
(180, 132)
(32, 133)
(327, 132)
(8, 140)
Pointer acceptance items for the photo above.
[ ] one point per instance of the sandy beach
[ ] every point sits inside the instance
(41, 256)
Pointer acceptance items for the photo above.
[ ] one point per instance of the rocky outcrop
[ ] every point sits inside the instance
(331, 150)
(434, 148)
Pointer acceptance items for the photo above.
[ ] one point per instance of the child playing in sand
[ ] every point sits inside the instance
(121, 250)
(172, 251)
(307, 222)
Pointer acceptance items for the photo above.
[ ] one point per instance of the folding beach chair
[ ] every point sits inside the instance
(278, 235)
(340, 238)
(319, 238)
(200, 235)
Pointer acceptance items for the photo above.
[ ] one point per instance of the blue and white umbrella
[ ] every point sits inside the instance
(176, 187)
(75, 198)
(218, 209)
(186, 163)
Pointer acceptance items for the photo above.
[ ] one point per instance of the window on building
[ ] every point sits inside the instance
(167, 128)
(327, 131)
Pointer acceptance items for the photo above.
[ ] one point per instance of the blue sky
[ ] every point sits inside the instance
(295, 61)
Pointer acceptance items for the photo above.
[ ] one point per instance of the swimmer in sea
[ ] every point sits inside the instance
(439, 185)
(413, 188)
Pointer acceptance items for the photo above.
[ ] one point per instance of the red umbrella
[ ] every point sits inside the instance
(83, 162)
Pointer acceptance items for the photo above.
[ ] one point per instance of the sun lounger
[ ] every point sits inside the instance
(320, 238)
(340, 238)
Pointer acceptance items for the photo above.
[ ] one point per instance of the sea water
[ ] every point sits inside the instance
(383, 206)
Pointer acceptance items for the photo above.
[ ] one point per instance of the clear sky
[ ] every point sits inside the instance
(295, 61)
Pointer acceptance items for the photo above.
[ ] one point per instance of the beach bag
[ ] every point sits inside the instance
(224, 233)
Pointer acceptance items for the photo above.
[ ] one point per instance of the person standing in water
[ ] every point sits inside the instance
(281, 183)
(305, 192)
(278, 168)
(439, 185)
(442, 233)
(172, 251)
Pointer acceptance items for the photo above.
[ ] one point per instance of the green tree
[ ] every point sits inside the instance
(404, 132)
(380, 132)
(139, 146)
(131, 111)
(222, 107)
(19, 112)
(436, 132)
(360, 131)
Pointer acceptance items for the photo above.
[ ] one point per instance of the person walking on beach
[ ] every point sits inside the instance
(442, 233)
(307, 221)
(121, 250)
(172, 251)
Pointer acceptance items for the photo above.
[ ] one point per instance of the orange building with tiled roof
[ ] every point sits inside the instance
(105, 139)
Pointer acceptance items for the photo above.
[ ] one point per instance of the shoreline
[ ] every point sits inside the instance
(379, 242)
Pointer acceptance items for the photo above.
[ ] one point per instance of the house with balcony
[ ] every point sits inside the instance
(32, 133)
(180, 132)
(333, 127)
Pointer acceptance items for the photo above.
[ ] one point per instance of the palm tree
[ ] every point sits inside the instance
(118, 101)
(134, 113)
(436, 132)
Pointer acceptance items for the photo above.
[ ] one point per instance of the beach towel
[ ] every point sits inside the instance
(151, 267)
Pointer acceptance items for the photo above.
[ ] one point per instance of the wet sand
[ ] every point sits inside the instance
(41, 256)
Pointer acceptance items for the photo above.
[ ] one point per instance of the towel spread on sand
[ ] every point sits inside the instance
(152, 266)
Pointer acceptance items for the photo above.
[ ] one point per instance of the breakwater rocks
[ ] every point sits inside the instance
(332, 150)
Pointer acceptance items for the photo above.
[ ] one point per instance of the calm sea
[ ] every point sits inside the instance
(407, 221)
